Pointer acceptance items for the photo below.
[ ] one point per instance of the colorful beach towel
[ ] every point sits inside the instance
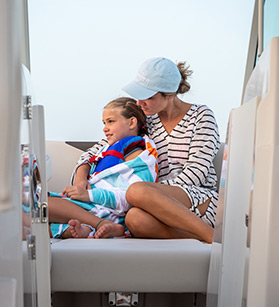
(109, 186)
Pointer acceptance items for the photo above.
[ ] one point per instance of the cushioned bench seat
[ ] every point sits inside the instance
(89, 265)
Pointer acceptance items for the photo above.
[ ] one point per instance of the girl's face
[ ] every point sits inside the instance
(154, 104)
(117, 126)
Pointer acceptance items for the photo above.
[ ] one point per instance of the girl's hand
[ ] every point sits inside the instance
(77, 193)
(82, 183)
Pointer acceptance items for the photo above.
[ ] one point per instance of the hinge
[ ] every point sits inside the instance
(27, 107)
(123, 298)
(31, 247)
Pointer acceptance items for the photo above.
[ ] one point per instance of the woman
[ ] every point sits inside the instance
(183, 202)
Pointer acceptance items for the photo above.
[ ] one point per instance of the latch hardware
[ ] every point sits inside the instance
(43, 214)
(246, 220)
(31, 247)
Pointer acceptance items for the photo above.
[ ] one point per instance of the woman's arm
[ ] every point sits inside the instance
(203, 148)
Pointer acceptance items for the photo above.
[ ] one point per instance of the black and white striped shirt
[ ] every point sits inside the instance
(185, 155)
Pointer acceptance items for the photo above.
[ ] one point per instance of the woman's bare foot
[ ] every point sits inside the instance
(109, 230)
(78, 230)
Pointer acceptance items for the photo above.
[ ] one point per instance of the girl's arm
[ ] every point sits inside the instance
(77, 193)
(114, 199)
(78, 179)
(133, 155)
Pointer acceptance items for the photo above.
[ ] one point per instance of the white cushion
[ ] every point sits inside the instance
(141, 265)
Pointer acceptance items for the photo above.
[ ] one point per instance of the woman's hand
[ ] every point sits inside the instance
(77, 193)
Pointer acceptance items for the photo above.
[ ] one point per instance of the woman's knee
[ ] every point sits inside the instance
(135, 192)
(134, 221)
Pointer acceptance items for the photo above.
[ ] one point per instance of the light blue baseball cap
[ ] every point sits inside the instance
(154, 75)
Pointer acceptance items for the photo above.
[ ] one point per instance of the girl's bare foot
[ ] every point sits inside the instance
(109, 230)
(79, 230)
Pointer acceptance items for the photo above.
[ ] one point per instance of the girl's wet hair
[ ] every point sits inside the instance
(129, 108)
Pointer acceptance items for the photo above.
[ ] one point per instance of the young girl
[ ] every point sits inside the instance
(127, 156)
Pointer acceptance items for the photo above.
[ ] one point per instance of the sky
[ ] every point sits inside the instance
(84, 51)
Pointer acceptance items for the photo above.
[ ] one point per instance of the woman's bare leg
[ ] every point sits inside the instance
(141, 224)
(170, 205)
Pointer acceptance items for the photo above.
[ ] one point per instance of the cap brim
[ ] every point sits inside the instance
(138, 91)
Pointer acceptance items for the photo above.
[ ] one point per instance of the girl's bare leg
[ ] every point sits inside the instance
(61, 211)
(78, 230)
(109, 230)
(168, 204)
(106, 230)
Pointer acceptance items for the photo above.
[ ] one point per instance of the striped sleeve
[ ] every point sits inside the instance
(202, 147)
